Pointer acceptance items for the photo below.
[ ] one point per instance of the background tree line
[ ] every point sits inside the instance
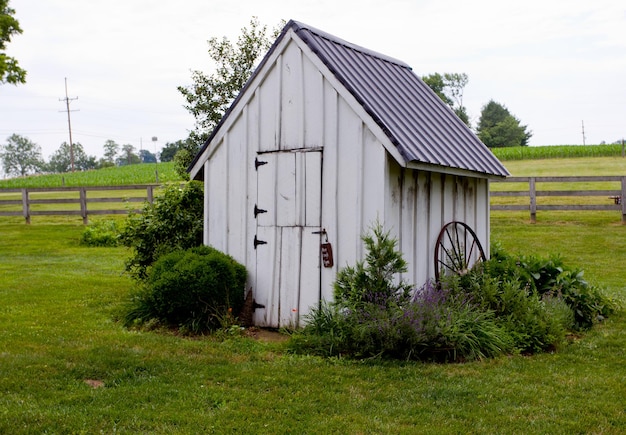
(20, 156)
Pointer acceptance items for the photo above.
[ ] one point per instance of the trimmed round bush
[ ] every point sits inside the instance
(192, 289)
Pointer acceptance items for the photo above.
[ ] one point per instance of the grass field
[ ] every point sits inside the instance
(67, 367)
(115, 176)
(558, 152)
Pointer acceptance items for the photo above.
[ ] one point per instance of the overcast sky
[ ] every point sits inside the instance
(553, 63)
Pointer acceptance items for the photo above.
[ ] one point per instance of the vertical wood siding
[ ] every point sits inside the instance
(420, 203)
(294, 107)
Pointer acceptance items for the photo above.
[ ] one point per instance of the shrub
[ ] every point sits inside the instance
(101, 234)
(372, 280)
(192, 289)
(173, 221)
(552, 278)
(375, 315)
(533, 322)
(505, 304)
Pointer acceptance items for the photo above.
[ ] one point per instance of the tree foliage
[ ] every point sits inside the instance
(61, 159)
(146, 156)
(181, 153)
(10, 71)
(171, 148)
(20, 156)
(497, 127)
(211, 95)
(111, 148)
(128, 157)
(449, 87)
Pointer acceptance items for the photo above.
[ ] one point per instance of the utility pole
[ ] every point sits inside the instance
(583, 122)
(156, 159)
(69, 122)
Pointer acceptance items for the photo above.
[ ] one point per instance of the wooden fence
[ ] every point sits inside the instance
(77, 201)
(612, 196)
(111, 200)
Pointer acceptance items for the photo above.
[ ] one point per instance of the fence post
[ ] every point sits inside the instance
(623, 200)
(83, 205)
(533, 200)
(25, 205)
(150, 193)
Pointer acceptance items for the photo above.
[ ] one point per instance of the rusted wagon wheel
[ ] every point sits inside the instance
(457, 250)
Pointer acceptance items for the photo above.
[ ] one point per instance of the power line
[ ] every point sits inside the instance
(69, 123)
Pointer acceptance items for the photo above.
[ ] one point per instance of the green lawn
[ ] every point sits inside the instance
(67, 367)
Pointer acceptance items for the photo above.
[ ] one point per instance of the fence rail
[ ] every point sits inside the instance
(73, 201)
(87, 201)
(612, 196)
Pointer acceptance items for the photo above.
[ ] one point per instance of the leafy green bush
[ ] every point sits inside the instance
(533, 322)
(173, 221)
(192, 289)
(552, 278)
(101, 233)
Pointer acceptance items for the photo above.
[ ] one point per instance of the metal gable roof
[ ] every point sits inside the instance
(422, 127)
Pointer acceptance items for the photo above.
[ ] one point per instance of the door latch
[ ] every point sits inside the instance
(326, 249)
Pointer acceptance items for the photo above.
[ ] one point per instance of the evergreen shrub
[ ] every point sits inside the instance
(193, 290)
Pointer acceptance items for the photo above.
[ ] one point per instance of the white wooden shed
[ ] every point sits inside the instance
(325, 139)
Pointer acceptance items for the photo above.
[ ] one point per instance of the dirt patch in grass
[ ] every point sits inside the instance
(94, 383)
(262, 334)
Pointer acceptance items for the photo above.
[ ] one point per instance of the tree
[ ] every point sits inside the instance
(20, 156)
(210, 96)
(171, 148)
(449, 87)
(497, 127)
(61, 160)
(10, 71)
(111, 148)
(146, 156)
(128, 156)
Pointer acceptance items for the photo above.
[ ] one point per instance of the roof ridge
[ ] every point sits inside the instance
(297, 25)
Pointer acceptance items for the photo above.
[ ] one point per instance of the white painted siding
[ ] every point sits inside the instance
(328, 166)
(420, 203)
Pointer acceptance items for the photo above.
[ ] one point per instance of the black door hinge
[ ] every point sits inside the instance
(258, 211)
(258, 242)
(258, 163)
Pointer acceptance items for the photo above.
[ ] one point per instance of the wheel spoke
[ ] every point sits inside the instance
(463, 251)
(469, 256)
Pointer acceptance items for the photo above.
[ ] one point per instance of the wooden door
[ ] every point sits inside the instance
(287, 239)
